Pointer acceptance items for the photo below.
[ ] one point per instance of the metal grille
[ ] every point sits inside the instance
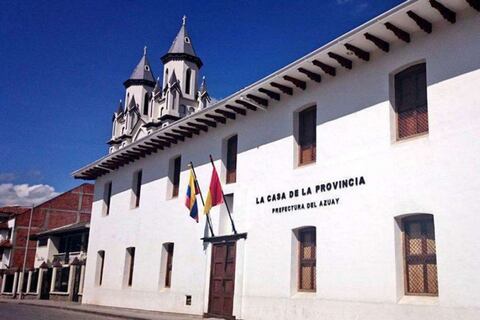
(307, 257)
(421, 260)
(412, 122)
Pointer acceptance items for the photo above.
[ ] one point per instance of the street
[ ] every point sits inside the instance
(10, 311)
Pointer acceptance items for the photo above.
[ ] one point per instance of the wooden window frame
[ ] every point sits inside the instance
(306, 262)
(231, 159)
(169, 250)
(421, 218)
(307, 146)
(415, 110)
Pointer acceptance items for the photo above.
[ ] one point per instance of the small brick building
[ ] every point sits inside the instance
(73, 206)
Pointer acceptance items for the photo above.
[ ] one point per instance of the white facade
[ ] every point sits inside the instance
(359, 245)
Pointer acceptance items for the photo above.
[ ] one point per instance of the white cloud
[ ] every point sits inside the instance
(24, 194)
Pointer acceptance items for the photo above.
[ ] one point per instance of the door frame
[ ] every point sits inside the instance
(222, 240)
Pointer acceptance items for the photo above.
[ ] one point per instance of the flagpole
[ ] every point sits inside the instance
(201, 197)
(226, 204)
(20, 296)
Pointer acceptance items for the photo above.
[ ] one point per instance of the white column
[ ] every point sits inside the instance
(54, 278)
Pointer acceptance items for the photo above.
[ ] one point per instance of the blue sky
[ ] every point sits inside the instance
(63, 64)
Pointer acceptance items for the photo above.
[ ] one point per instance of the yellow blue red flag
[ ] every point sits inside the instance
(191, 197)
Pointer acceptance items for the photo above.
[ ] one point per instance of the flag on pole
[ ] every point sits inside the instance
(191, 198)
(215, 193)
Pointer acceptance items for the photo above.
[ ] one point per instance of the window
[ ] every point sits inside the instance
(42, 242)
(168, 267)
(420, 256)
(25, 282)
(307, 124)
(1, 254)
(307, 260)
(72, 243)
(34, 281)
(182, 110)
(175, 175)
(8, 285)
(411, 101)
(61, 279)
(231, 164)
(188, 80)
(129, 265)
(145, 104)
(100, 264)
(107, 195)
(136, 187)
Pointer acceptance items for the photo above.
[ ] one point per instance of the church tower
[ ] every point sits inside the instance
(139, 87)
(180, 73)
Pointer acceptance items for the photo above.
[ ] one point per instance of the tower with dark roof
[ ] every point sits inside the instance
(151, 104)
(182, 59)
(139, 86)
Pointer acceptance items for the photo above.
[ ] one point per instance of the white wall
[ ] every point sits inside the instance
(357, 251)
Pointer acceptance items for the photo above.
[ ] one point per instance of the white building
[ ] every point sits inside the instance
(352, 174)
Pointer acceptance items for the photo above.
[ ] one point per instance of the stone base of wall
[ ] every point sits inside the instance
(58, 297)
(30, 296)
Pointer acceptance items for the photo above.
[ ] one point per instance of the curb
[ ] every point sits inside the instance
(95, 312)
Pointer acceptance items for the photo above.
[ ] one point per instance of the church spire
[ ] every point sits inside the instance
(142, 74)
(182, 47)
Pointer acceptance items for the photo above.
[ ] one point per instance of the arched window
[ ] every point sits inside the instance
(411, 101)
(182, 110)
(420, 255)
(145, 104)
(188, 78)
(165, 80)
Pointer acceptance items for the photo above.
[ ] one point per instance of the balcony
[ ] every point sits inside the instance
(68, 257)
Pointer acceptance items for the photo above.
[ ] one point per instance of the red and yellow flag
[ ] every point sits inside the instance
(215, 193)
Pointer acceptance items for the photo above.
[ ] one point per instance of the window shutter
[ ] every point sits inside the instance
(307, 135)
(308, 260)
(232, 144)
(420, 256)
(411, 101)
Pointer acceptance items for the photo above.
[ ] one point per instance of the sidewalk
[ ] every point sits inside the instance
(121, 313)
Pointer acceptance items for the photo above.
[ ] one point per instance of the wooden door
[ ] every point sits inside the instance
(222, 280)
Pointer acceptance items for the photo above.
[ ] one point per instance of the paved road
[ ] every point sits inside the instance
(10, 311)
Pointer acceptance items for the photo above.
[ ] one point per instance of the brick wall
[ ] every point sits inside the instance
(69, 207)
